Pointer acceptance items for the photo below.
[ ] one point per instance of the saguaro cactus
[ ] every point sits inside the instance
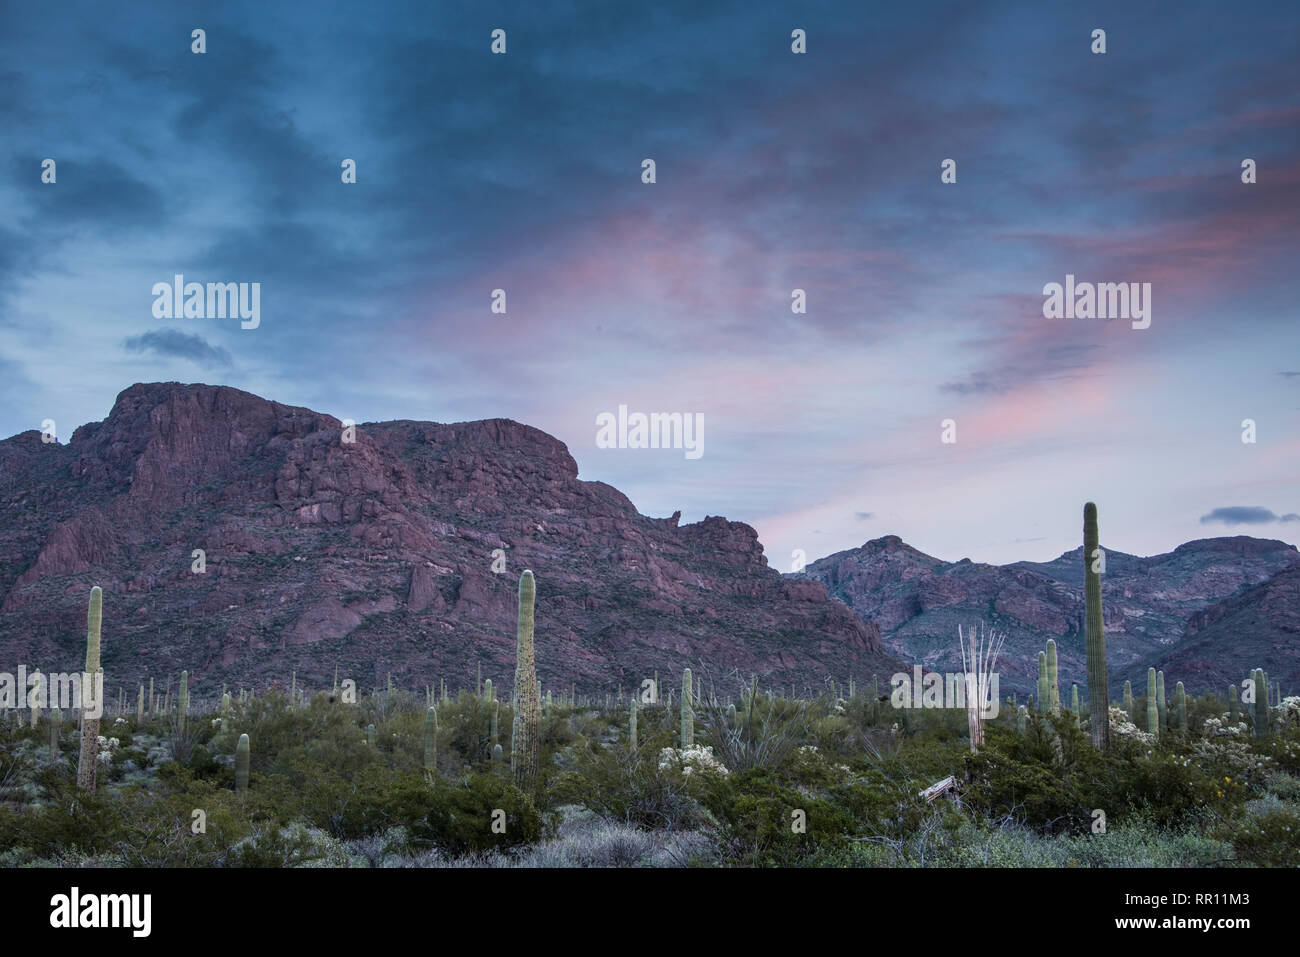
(241, 765)
(1053, 688)
(1160, 701)
(488, 694)
(1232, 704)
(139, 707)
(1128, 701)
(1098, 692)
(494, 722)
(56, 725)
(1180, 702)
(1153, 710)
(525, 740)
(431, 739)
(372, 735)
(90, 726)
(1074, 705)
(183, 701)
(1043, 696)
(631, 725)
(1260, 708)
(688, 711)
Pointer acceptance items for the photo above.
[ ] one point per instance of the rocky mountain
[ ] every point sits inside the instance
(376, 556)
(1150, 605)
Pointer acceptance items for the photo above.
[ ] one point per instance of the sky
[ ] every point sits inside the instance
(774, 171)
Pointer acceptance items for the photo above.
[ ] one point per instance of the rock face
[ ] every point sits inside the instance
(377, 556)
(1256, 628)
(1148, 603)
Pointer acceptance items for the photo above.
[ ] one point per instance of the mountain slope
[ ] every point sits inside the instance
(376, 556)
(918, 601)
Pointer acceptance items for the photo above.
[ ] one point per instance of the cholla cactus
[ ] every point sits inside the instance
(90, 726)
(690, 761)
(241, 765)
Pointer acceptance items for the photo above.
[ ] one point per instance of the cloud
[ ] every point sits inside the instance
(863, 516)
(1247, 515)
(1289, 375)
(180, 345)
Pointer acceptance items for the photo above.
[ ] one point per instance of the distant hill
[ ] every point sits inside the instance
(1149, 606)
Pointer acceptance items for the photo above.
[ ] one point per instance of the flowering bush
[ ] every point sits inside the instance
(689, 761)
(1122, 727)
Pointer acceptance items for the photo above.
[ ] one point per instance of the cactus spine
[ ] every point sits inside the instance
(525, 741)
(1098, 691)
(688, 713)
(241, 765)
(90, 726)
(1053, 688)
(1180, 702)
(1153, 710)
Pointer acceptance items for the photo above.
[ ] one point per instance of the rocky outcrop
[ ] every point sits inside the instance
(378, 555)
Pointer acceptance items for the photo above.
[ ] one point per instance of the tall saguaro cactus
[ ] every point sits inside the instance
(90, 726)
(1128, 701)
(1260, 705)
(1153, 710)
(1180, 702)
(241, 765)
(431, 739)
(631, 725)
(183, 701)
(1160, 701)
(688, 711)
(1098, 691)
(1042, 697)
(525, 739)
(1053, 687)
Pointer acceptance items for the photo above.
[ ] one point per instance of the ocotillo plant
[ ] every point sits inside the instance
(1098, 691)
(525, 738)
(1128, 701)
(1053, 688)
(1180, 703)
(688, 712)
(183, 701)
(431, 739)
(90, 726)
(631, 725)
(241, 765)
(1153, 709)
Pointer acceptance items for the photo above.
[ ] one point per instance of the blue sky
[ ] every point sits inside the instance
(774, 171)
